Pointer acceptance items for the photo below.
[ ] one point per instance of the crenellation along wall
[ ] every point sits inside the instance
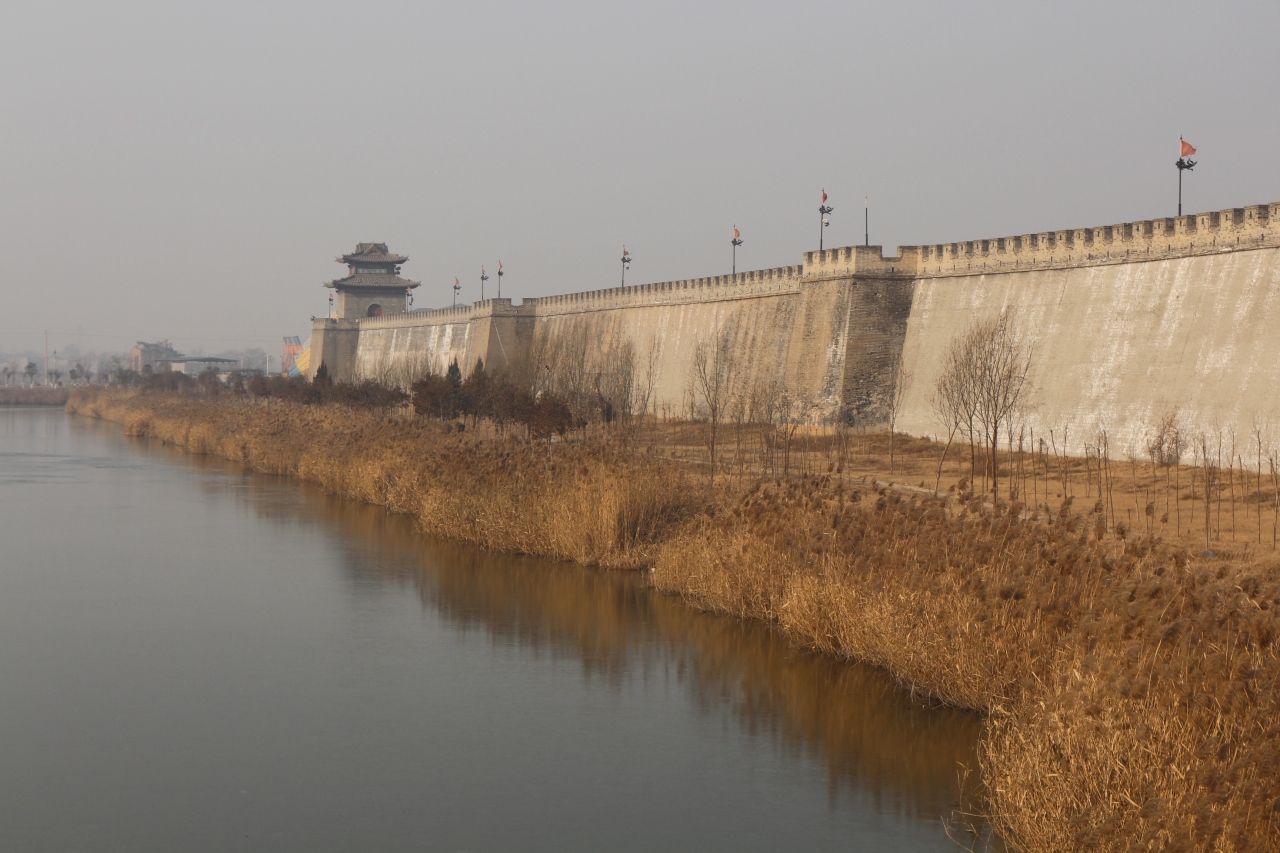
(1116, 347)
(786, 329)
(865, 261)
(744, 285)
(1127, 321)
(1150, 239)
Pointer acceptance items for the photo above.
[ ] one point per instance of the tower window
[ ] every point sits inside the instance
(375, 310)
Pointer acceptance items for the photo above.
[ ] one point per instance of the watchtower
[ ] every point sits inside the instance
(373, 285)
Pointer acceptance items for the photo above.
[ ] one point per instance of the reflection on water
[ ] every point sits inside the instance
(874, 740)
(203, 658)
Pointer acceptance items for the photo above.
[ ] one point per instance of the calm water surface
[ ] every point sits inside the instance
(197, 658)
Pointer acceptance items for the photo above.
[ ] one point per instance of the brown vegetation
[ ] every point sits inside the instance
(39, 395)
(1132, 693)
(1130, 688)
(588, 502)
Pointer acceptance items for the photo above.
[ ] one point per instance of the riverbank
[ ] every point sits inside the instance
(1130, 689)
(33, 396)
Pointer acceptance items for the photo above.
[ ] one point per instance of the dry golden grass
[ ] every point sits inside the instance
(1230, 506)
(1130, 687)
(588, 502)
(33, 396)
(1131, 692)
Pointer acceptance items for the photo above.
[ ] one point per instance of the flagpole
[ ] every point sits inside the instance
(1184, 164)
(499, 279)
(866, 220)
(823, 210)
(483, 279)
(737, 241)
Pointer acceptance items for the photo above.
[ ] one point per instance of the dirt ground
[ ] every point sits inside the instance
(1134, 497)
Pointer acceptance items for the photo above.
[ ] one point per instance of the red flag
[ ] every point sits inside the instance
(1187, 148)
(625, 252)
(455, 281)
(824, 196)
(499, 266)
(736, 235)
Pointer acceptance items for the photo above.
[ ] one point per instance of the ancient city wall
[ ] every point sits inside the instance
(398, 348)
(1129, 242)
(1127, 322)
(784, 331)
(749, 318)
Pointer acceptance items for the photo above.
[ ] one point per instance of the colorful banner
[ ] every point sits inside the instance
(288, 362)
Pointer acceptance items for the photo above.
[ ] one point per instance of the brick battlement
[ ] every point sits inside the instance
(744, 285)
(441, 316)
(1229, 230)
(861, 261)
(1150, 239)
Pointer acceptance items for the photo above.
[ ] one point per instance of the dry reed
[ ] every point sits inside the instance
(1130, 689)
(588, 502)
(1131, 694)
(38, 395)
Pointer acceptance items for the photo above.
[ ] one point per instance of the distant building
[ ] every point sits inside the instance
(372, 288)
(373, 285)
(144, 355)
(195, 365)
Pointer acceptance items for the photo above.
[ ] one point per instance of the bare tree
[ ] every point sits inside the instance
(983, 383)
(766, 411)
(951, 420)
(644, 396)
(739, 413)
(710, 372)
(615, 385)
(1006, 364)
(597, 380)
(955, 394)
(895, 393)
(1166, 442)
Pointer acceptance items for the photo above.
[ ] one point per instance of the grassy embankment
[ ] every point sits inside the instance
(1130, 690)
(33, 396)
(1228, 501)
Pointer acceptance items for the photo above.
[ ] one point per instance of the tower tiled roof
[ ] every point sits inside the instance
(378, 280)
(372, 253)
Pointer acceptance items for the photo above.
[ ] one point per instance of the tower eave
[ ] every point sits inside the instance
(386, 282)
(379, 259)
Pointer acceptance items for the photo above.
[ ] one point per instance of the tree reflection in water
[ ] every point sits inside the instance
(875, 741)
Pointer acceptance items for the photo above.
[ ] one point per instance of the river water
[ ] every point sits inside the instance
(193, 657)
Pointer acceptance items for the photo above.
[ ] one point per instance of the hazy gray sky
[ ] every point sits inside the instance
(190, 170)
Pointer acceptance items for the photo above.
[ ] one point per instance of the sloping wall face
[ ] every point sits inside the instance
(747, 340)
(1117, 346)
(776, 339)
(1126, 322)
(397, 355)
(878, 316)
